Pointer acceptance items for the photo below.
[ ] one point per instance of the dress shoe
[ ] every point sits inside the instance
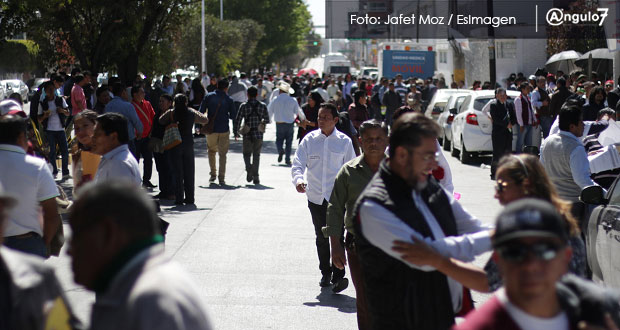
(148, 184)
(188, 201)
(288, 163)
(249, 177)
(325, 281)
(256, 180)
(280, 155)
(340, 285)
(178, 203)
(212, 178)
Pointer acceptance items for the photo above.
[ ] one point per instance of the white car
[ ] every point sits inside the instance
(471, 129)
(15, 86)
(438, 102)
(447, 116)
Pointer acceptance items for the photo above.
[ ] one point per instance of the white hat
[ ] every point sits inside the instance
(531, 77)
(11, 107)
(7, 198)
(285, 87)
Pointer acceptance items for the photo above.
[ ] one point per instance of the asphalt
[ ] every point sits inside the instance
(251, 249)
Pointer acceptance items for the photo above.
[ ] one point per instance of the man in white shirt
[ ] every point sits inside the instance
(404, 201)
(52, 114)
(320, 155)
(531, 251)
(110, 141)
(283, 110)
(30, 179)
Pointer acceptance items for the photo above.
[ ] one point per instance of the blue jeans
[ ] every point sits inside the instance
(60, 138)
(284, 132)
(33, 245)
(523, 138)
(545, 125)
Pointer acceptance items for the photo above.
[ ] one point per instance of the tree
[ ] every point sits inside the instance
(230, 44)
(18, 56)
(286, 23)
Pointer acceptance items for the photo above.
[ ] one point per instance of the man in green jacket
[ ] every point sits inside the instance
(350, 182)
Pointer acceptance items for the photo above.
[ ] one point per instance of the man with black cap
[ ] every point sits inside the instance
(531, 251)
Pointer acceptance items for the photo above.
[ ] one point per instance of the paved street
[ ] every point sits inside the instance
(251, 248)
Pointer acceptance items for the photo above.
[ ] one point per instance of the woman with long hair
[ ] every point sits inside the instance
(517, 177)
(596, 102)
(85, 163)
(358, 111)
(182, 156)
(196, 94)
(311, 110)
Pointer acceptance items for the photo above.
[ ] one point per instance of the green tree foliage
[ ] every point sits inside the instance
(18, 55)
(230, 44)
(286, 22)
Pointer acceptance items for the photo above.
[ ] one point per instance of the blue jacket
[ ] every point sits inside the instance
(118, 105)
(225, 112)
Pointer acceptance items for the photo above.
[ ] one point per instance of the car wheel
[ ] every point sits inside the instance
(446, 144)
(465, 156)
(453, 152)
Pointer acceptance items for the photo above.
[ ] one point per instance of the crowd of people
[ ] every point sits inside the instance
(379, 192)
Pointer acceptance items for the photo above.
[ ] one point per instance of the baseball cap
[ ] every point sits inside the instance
(11, 107)
(609, 82)
(531, 77)
(529, 217)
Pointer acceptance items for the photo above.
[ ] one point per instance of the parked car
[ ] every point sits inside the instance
(3, 92)
(36, 84)
(447, 116)
(438, 102)
(15, 86)
(471, 129)
(602, 232)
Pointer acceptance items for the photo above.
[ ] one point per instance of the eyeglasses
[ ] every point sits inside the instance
(500, 186)
(518, 253)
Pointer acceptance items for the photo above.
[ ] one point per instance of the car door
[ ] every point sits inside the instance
(604, 237)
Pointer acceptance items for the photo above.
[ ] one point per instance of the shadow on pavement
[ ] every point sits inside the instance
(183, 208)
(327, 298)
(256, 187)
(218, 186)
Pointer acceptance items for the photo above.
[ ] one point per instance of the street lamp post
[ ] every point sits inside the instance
(203, 48)
(221, 10)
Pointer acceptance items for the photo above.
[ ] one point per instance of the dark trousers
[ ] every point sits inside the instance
(252, 148)
(60, 138)
(182, 160)
(319, 220)
(233, 116)
(284, 133)
(131, 144)
(355, 268)
(502, 145)
(33, 244)
(143, 151)
(164, 169)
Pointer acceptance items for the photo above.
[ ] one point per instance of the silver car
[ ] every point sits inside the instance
(447, 116)
(15, 86)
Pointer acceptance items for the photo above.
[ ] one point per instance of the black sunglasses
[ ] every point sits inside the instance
(518, 253)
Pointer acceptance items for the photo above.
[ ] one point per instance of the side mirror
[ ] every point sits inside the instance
(453, 111)
(592, 195)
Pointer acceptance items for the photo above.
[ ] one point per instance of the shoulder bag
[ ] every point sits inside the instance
(208, 128)
(172, 136)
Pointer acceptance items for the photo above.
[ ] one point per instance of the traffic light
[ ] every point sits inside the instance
(315, 43)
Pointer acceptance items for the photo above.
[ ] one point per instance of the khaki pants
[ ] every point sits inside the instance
(218, 143)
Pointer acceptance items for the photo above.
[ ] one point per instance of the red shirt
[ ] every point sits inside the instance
(78, 99)
(146, 114)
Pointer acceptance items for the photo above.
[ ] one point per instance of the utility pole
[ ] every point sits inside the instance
(491, 29)
(221, 10)
(203, 48)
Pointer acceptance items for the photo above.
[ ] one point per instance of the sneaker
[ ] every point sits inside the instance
(256, 180)
(280, 155)
(249, 177)
(340, 285)
(325, 281)
(212, 178)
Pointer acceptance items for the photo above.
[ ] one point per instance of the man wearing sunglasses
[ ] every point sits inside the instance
(531, 251)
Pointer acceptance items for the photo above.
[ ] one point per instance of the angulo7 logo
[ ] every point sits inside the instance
(556, 16)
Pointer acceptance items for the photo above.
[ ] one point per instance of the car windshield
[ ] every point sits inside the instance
(481, 102)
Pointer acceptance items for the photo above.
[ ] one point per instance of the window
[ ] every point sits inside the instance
(443, 57)
(506, 49)
(614, 199)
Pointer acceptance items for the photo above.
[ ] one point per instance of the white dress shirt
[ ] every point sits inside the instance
(322, 156)
(382, 227)
(119, 164)
(284, 108)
